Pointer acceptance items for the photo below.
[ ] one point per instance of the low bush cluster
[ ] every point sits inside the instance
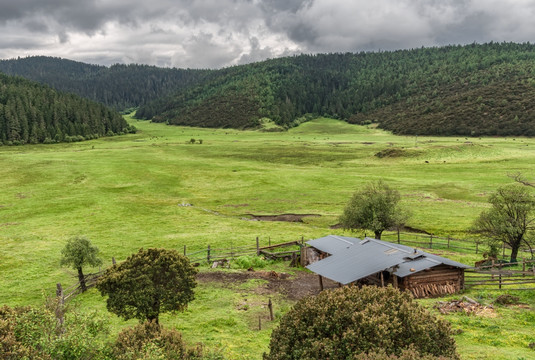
(151, 341)
(36, 333)
(247, 262)
(378, 323)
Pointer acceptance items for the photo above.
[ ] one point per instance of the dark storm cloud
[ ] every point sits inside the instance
(215, 33)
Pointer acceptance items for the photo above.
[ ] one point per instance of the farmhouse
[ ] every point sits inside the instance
(349, 260)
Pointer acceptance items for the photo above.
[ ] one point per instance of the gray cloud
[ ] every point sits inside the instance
(216, 33)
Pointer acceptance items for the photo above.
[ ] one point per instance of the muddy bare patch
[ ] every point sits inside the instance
(293, 287)
(281, 217)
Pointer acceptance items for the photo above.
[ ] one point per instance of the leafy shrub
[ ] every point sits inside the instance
(35, 333)
(390, 153)
(408, 354)
(246, 262)
(340, 323)
(11, 345)
(151, 341)
(507, 299)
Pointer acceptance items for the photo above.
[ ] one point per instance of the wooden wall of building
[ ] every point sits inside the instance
(439, 280)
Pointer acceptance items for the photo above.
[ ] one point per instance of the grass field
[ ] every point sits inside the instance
(125, 193)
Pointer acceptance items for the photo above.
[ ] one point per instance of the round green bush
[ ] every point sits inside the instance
(348, 321)
(151, 341)
(246, 262)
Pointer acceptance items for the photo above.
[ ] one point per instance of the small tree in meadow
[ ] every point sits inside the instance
(375, 207)
(148, 283)
(77, 253)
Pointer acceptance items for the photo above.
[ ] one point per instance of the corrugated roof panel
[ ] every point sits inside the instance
(332, 243)
(404, 269)
(446, 261)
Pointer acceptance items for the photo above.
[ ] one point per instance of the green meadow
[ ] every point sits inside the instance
(129, 192)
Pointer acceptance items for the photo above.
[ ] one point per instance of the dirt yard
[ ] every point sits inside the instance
(293, 287)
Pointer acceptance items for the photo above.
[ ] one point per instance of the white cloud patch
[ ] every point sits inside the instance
(217, 33)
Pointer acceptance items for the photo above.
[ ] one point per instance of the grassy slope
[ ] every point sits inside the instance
(123, 194)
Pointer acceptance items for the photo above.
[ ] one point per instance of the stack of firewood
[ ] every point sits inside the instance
(466, 305)
(431, 290)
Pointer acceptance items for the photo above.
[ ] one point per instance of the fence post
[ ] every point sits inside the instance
(59, 308)
(113, 261)
(448, 241)
(431, 242)
(257, 246)
(259, 323)
(500, 279)
(398, 236)
(208, 253)
(184, 250)
(270, 306)
(321, 282)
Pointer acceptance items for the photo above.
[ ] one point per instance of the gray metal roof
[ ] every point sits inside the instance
(332, 243)
(353, 259)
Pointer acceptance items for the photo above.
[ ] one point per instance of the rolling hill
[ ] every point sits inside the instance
(35, 113)
(472, 90)
(469, 90)
(118, 86)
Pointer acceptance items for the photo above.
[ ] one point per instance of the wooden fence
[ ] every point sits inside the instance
(271, 251)
(510, 276)
(426, 241)
(480, 277)
(66, 294)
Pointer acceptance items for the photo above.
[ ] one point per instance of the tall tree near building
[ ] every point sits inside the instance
(510, 219)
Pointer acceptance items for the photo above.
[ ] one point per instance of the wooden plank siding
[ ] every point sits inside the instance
(436, 281)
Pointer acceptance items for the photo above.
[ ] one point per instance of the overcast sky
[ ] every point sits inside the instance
(218, 33)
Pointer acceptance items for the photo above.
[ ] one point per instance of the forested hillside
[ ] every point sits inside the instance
(34, 113)
(476, 89)
(470, 90)
(118, 86)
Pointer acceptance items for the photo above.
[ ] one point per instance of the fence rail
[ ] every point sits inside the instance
(502, 276)
(428, 241)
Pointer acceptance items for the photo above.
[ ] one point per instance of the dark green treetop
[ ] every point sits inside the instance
(148, 283)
